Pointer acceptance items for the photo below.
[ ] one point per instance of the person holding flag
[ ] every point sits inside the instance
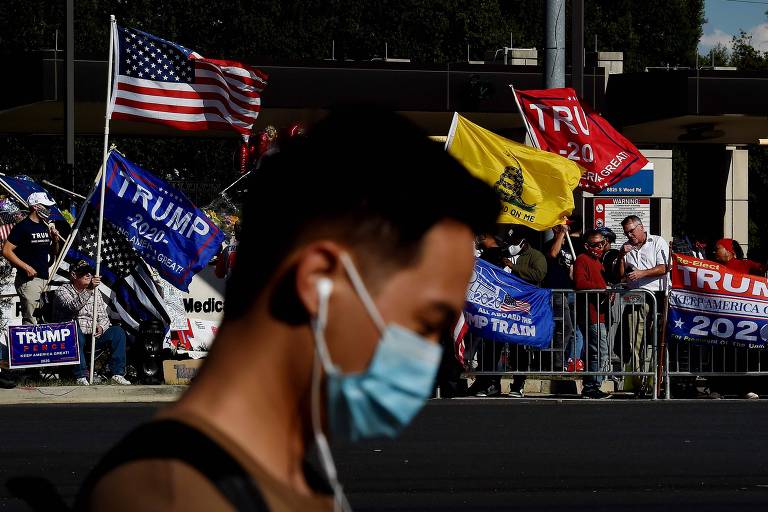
(29, 248)
(74, 301)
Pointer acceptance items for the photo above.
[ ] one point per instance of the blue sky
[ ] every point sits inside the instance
(727, 17)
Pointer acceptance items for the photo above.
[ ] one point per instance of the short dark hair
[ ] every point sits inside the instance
(738, 250)
(363, 176)
(593, 232)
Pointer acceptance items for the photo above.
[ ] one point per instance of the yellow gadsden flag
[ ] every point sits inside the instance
(535, 187)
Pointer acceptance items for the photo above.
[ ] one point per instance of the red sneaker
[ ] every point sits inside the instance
(579, 365)
(571, 365)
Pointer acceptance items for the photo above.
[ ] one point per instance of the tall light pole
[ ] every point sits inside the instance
(554, 56)
(69, 90)
(577, 47)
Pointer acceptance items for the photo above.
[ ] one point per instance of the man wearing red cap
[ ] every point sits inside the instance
(729, 253)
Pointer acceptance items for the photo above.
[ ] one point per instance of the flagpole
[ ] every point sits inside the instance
(662, 361)
(107, 117)
(73, 233)
(528, 127)
(451, 131)
(235, 183)
(73, 194)
(570, 244)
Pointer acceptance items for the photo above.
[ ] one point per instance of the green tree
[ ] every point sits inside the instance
(650, 33)
(745, 56)
(259, 32)
(717, 56)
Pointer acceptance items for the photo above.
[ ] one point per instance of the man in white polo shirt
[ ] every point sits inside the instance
(644, 264)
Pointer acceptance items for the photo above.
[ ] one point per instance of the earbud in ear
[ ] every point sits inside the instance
(324, 287)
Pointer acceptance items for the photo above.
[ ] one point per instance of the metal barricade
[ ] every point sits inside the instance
(619, 329)
(685, 359)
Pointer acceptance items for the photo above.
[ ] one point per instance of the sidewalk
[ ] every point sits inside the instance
(168, 393)
(90, 394)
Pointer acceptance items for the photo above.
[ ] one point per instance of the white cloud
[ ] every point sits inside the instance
(759, 35)
(709, 41)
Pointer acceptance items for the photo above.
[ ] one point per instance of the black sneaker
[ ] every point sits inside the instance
(595, 394)
(492, 390)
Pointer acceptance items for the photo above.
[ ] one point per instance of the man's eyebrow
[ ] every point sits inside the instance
(448, 311)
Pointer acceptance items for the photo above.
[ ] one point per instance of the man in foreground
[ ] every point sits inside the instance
(333, 313)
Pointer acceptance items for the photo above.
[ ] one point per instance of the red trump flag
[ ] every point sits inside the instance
(557, 122)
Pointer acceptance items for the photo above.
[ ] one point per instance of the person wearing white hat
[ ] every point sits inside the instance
(29, 248)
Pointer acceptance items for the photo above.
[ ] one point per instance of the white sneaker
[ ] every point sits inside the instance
(119, 379)
(82, 381)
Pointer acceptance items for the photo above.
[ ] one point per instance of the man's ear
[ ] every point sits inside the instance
(318, 267)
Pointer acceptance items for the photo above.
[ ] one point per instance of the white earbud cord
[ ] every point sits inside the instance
(362, 291)
(322, 359)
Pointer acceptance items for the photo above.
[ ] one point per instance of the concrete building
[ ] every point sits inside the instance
(715, 112)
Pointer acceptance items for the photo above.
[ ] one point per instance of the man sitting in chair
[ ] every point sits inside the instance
(74, 301)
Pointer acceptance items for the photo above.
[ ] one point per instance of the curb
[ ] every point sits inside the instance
(90, 394)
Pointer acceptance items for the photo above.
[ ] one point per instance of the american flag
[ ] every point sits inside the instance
(164, 82)
(132, 294)
(460, 330)
(7, 221)
(511, 304)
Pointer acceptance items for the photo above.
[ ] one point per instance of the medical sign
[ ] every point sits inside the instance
(504, 308)
(30, 346)
(169, 232)
(713, 305)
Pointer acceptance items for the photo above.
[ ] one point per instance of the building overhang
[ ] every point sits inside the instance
(655, 107)
(689, 106)
(427, 94)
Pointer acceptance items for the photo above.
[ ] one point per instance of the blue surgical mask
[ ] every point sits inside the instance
(383, 399)
(379, 401)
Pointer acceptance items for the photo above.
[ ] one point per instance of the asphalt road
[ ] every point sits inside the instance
(494, 454)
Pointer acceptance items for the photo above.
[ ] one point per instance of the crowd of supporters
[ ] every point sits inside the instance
(596, 329)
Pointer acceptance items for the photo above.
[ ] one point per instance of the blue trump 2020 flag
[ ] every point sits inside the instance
(24, 186)
(169, 232)
(504, 308)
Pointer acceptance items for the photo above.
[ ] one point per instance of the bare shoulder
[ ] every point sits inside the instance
(156, 485)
